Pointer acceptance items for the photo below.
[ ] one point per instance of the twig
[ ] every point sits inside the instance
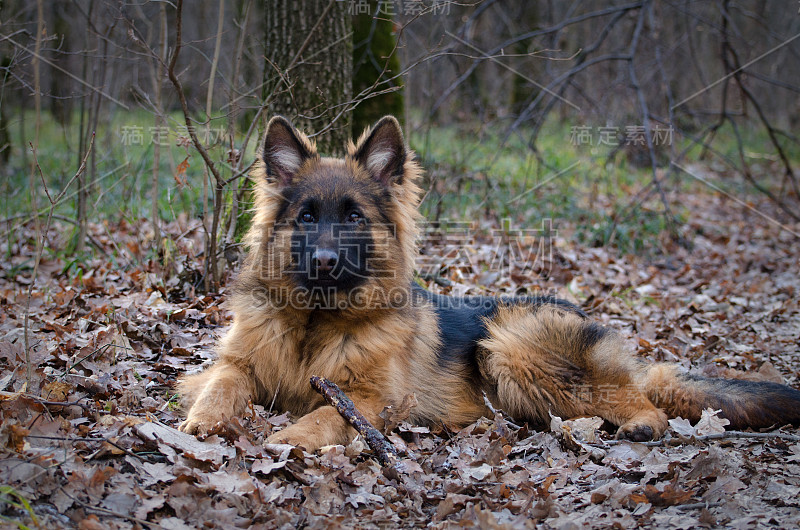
(699, 505)
(106, 511)
(646, 116)
(187, 116)
(65, 219)
(437, 278)
(735, 69)
(92, 440)
(79, 361)
(41, 234)
(160, 119)
(498, 412)
(707, 437)
(742, 434)
(344, 405)
(651, 443)
(232, 116)
(45, 402)
(526, 36)
(310, 34)
(39, 57)
(37, 102)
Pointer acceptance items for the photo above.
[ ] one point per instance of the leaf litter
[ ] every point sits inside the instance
(91, 440)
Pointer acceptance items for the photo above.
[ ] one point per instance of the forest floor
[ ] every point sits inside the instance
(90, 440)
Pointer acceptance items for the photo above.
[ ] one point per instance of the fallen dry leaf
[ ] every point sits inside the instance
(108, 344)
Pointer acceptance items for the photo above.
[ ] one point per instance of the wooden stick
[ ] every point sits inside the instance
(384, 450)
(497, 412)
(705, 438)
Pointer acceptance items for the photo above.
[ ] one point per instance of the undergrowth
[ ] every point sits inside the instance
(595, 193)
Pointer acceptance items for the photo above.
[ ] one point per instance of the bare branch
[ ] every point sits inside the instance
(344, 405)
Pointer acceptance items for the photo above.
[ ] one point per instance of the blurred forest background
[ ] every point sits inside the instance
(149, 113)
(637, 158)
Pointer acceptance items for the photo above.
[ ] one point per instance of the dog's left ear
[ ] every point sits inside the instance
(382, 151)
(284, 151)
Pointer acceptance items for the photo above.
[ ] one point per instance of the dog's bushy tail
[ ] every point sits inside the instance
(744, 403)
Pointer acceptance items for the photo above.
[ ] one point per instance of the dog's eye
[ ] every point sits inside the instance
(354, 217)
(307, 217)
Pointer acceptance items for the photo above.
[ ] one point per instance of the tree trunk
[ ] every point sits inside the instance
(308, 75)
(375, 59)
(60, 83)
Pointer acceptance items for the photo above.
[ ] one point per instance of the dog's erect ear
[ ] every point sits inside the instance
(284, 151)
(382, 151)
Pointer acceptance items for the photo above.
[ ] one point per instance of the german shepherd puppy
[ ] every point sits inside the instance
(328, 290)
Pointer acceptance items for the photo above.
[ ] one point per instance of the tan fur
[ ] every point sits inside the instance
(377, 356)
(540, 368)
(533, 360)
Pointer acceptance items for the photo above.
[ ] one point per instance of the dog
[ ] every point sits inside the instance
(328, 289)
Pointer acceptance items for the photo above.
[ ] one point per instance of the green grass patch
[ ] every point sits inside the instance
(600, 193)
(587, 189)
(13, 498)
(121, 172)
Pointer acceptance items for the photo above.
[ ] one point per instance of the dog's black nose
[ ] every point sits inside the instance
(323, 260)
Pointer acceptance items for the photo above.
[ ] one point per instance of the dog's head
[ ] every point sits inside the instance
(327, 229)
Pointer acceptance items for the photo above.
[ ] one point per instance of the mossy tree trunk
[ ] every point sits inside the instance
(375, 61)
(308, 75)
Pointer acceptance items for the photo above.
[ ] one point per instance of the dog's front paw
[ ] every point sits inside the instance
(200, 424)
(293, 435)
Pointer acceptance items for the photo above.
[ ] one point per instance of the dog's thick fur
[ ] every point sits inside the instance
(328, 290)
